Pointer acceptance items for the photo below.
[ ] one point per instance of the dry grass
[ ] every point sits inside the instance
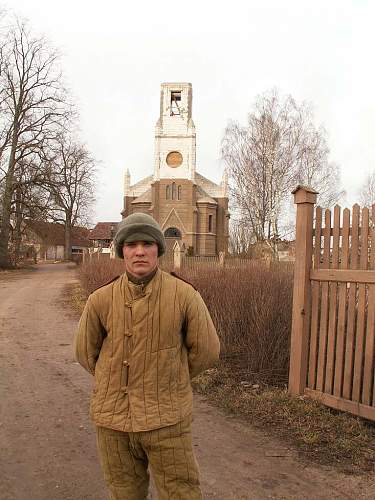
(77, 298)
(321, 435)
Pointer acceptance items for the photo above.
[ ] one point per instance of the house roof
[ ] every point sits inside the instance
(80, 237)
(103, 231)
(52, 233)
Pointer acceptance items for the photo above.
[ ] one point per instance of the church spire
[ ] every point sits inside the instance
(127, 182)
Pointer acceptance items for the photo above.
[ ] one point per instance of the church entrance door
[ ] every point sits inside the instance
(171, 235)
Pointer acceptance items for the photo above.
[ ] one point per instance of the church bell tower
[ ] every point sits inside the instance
(175, 144)
(190, 208)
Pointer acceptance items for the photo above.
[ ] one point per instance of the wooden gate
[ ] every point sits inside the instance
(332, 345)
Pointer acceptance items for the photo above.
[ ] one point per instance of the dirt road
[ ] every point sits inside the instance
(48, 444)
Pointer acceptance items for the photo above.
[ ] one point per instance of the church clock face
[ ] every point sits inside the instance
(174, 159)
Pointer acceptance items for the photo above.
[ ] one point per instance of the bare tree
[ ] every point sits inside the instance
(70, 185)
(367, 191)
(32, 103)
(29, 200)
(240, 237)
(266, 159)
(314, 168)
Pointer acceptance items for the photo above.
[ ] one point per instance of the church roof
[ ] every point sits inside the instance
(211, 188)
(207, 199)
(144, 197)
(206, 188)
(141, 186)
(203, 197)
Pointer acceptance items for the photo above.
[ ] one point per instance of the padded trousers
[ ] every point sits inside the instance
(125, 458)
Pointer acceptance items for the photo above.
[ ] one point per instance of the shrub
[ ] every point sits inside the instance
(251, 307)
(95, 273)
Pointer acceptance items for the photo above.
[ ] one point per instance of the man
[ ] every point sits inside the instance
(143, 336)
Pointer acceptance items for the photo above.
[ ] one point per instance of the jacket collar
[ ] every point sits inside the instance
(132, 291)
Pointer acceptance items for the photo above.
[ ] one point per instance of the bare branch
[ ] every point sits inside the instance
(277, 149)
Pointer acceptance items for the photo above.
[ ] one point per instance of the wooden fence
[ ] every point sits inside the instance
(177, 260)
(198, 262)
(91, 256)
(332, 345)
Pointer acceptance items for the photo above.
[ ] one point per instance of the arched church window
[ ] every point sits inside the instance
(175, 102)
(173, 191)
(167, 192)
(210, 223)
(179, 192)
(173, 232)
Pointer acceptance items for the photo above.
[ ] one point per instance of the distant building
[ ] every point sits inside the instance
(262, 250)
(189, 207)
(102, 235)
(46, 240)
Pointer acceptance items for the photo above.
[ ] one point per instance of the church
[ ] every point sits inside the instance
(189, 207)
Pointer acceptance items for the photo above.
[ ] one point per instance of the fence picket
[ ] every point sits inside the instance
(368, 368)
(331, 340)
(341, 319)
(324, 304)
(350, 331)
(311, 379)
(361, 311)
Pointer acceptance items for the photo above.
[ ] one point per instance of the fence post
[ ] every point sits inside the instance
(176, 256)
(222, 259)
(304, 198)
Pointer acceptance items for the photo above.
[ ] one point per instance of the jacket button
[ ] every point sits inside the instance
(125, 363)
(124, 389)
(128, 333)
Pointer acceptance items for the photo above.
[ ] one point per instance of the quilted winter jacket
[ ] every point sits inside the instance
(143, 343)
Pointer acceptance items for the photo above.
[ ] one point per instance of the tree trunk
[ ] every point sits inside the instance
(68, 239)
(5, 224)
(17, 231)
(5, 261)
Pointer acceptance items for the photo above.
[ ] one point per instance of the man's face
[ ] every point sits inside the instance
(141, 257)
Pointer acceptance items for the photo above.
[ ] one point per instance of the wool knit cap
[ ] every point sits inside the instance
(138, 227)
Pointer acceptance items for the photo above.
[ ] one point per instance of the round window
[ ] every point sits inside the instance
(174, 159)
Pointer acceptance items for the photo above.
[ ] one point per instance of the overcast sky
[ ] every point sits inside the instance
(115, 54)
